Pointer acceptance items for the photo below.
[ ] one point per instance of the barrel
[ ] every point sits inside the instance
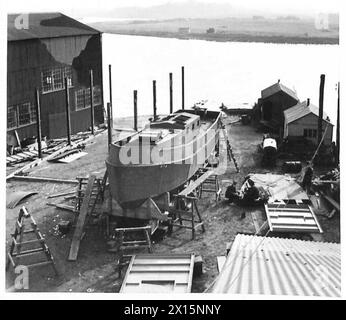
(292, 166)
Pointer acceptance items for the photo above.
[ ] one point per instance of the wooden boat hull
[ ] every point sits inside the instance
(131, 185)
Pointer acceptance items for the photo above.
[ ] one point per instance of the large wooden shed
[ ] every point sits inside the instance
(43, 49)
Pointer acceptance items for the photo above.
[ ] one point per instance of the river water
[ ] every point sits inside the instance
(232, 73)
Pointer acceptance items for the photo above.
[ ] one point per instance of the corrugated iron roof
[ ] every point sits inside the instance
(46, 25)
(154, 273)
(277, 87)
(275, 266)
(301, 110)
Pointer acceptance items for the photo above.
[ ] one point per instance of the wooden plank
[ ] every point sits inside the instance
(331, 201)
(52, 155)
(271, 209)
(255, 221)
(189, 282)
(296, 228)
(44, 179)
(133, 228)
(192, 186)
(81, 220)
(61, 194)
(62, 206)
(220, 262)
(123, 286)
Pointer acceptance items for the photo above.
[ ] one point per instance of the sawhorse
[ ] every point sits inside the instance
(184, 210)
(18, 243)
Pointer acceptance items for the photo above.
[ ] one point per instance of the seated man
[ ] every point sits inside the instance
(251, 193)
(232, 193)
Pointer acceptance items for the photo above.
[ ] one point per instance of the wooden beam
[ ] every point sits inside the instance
(255, 221)
(44, 179)
(67, 110)
(320, 105)
(81, 220)
(61, 206)
(91, 81)
(170, 93)
(38, 123)
(192, 186)
(331, 201)
(57, 195)
(54, 154)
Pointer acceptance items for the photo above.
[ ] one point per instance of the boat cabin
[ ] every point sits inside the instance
(181, 121)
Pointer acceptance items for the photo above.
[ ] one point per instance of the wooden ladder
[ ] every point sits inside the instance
(210, 185)
(16, 250)
(230, 153)
(97, 193)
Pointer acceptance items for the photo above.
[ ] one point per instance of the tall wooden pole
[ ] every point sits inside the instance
(135, 109)
(92, 101)
(154, 99)
(109, 124)
(320, 117)
(68, 122)
(38, 123)
(110, 94)
(170, 92)
(182, 88)
(338, 127)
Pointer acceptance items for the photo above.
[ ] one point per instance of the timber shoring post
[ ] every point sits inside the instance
(338, 127)
(109, 124)
(92, 101)
(320, 116)
(135, 109)
(110, 93)
(182, 87)
(154, 99)
(38, 123)
(170, 92)
(68, 122)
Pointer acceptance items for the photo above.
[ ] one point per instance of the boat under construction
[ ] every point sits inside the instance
(162, 156)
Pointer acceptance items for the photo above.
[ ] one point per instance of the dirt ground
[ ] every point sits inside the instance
(95, 269)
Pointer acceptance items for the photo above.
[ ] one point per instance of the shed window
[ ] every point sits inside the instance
(83, 97)
(310, 133)
(20, 115)
(26, 114)
(54, 79)
(11, 117)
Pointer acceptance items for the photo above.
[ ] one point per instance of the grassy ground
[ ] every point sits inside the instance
(231, 29)
(94, 271)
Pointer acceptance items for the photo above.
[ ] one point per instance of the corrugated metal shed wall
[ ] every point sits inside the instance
(275, 266)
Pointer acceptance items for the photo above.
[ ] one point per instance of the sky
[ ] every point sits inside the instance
(63, 5)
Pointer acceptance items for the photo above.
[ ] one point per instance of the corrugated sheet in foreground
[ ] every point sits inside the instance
(153, 273)
(275, 266)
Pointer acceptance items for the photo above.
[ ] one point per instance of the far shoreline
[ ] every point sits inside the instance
(221, 37)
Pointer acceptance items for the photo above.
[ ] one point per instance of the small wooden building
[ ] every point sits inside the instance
(273, 102)
(302, 120)
(43, 49)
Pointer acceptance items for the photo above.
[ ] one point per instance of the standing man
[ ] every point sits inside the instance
(307, 178)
